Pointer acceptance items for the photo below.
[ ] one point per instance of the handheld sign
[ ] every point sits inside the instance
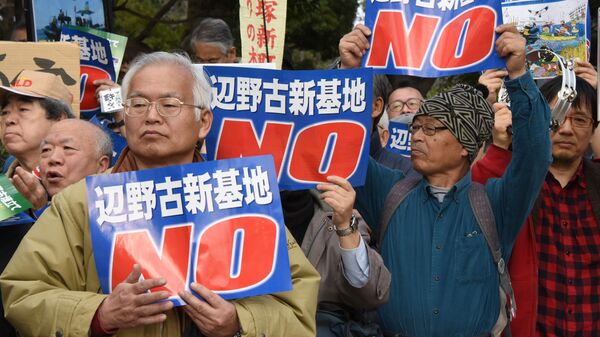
(314, 123)
(399, 140)
(432, 38)
(558, 25)
(96, 63)
(12, 204)
(216, 223)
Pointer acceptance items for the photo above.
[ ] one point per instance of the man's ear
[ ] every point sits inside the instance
(232, 54)
(206, 118)
(103, 164)
(384, 136)
(377, 107)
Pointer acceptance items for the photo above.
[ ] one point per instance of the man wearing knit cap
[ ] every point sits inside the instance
(445, 281)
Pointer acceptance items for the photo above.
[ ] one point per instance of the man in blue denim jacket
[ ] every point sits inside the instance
(444, 280)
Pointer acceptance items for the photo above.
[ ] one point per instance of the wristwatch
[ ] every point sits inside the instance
(238, 334)
(348, 230)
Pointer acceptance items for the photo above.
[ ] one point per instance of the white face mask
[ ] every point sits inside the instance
(404, 118)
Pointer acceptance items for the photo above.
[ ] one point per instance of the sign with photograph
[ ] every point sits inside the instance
(558, 25)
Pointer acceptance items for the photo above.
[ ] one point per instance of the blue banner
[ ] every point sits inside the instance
(18, 219)
(314, 123)
(432, 38)
(96, 63)
(217, 223)
(399, 141)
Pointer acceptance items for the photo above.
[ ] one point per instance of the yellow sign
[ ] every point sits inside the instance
(262, 30)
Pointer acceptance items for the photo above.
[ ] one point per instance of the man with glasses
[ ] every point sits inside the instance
(404, 99)
(58, 293)
(444, 280)
(554, 265)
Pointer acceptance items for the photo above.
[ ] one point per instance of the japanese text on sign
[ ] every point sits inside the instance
(218, 223)
(232, 188)
(314, 123)
(432, 38)
(262, 24)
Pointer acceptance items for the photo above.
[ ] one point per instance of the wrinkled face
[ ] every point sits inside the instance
(69, 153)
(24, 125)
(156, 140)
(570, 142)
(438, 153)
(212, 53)
(410, 99)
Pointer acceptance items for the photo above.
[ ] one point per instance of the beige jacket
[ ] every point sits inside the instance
(51, 288)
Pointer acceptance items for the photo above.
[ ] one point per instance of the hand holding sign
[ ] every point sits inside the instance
(340, 195)
(130, 304)
(214, 316)
(511, 46)
(353, 47)
(492, 79)
(586, 71)
(502, 123)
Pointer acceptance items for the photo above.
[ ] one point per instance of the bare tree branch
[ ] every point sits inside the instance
(155, 20)
(149, 18)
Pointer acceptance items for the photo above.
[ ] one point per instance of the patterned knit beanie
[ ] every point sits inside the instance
(465, 112)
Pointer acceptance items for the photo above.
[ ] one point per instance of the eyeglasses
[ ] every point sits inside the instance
(413, 104)
(428, 129)
(577, 121)
(166, 106)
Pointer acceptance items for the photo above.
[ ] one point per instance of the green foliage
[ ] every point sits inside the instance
(317, 26)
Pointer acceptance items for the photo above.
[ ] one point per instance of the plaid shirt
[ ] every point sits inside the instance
(568, 249)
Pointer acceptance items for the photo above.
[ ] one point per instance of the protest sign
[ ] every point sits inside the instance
(262, 27)
(11, 201)
(399, 141)
(314, 123)
(558, 25)
(96, 63)
(431, 38)
(56, 58)
(217, 223)
(117, 44)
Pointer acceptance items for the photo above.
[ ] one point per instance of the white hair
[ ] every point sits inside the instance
(201, 89)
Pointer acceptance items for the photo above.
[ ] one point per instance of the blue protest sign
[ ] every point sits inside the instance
(217, 223)
(314, 123)
(17, 219)
(432, 38)
(96, 63)
(399, 141)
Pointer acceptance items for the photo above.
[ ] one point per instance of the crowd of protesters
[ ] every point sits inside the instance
(418, 251)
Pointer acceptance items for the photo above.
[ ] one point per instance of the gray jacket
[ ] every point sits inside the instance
(322, 248)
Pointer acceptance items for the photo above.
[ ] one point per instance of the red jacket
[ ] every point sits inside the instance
(524, 268)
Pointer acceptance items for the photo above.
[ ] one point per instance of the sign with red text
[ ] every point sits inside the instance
(96, 63)
(217, 223)
(314, 123)
(262, 30)
(432, 38)
(57, 58)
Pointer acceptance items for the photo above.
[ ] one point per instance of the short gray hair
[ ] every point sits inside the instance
(104, 145)
(201, 89)
(215, 31)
